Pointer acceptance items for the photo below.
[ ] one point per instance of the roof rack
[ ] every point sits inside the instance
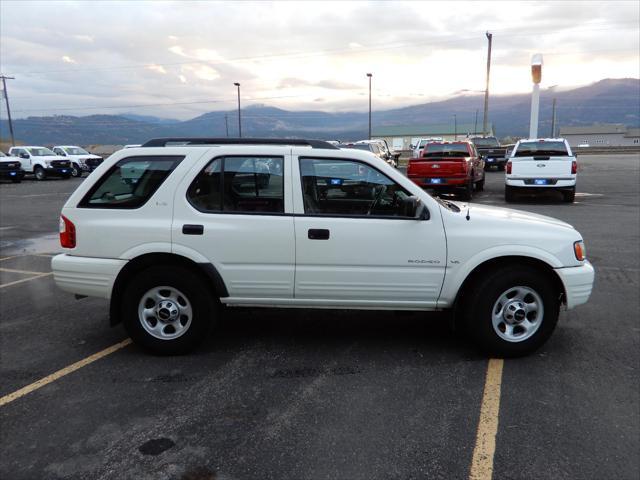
(163, 142)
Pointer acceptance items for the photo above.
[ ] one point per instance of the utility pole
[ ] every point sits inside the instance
(239, 120)
(486, 91)
(226, 124)
(475, 124)
(6, 98)
(369, 75)
(455, 127)
(553, 120)
(536, 77)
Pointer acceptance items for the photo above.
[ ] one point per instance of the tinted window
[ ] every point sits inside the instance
(130, 182)
(346, 187)
(240, 185)
(529, 149)
(446, 150)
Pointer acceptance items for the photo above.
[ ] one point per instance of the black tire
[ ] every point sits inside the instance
(467, 192)
(477, 309)
(204, 307)
(40, 173)
(480, 184)
(501, 167)
(569, 196)
(76, 171)
(509, 194)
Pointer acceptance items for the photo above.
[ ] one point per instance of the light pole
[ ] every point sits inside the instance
(226, 124)
(536, 76)
(553, 119)
(475, 124)
(486, 91)
(369, 75)
(239, 118)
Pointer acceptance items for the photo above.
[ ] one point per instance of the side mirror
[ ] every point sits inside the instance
(412, 207)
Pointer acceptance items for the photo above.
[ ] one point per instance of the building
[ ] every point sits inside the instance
(602, 135)
(402, 137)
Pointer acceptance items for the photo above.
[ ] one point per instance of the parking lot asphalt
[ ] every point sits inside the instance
(293, 394)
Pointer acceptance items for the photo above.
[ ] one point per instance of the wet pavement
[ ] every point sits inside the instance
(291, 394)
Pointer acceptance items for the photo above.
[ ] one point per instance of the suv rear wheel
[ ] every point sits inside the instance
(76, 171)
(512, 311)
(467, 191)
(168, 309)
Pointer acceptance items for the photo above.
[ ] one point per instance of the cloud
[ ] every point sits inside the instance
(68, 59)
(293, 82)
(157, 68)
(182, 78)
(84, 38)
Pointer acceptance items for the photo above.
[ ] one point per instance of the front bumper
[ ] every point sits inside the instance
(578, 283)
(59, 172)
(12, 174)
(93, 277)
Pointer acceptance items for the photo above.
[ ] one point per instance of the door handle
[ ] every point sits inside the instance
(193, 229)
(318, 234)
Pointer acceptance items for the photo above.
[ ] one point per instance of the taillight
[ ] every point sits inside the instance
(574, 167)
(67, 233)
(509, 165)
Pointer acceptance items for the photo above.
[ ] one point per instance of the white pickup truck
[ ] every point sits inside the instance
(541, 164)
(41, 162)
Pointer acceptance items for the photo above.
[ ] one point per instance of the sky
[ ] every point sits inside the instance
(181, 59)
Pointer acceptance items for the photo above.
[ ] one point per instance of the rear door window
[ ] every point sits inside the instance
(130, 182)
(536, 149)
(243, 184)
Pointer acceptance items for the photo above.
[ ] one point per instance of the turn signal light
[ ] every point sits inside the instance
(509, 165)
(574, 167)
(67, 233)
(580, 251)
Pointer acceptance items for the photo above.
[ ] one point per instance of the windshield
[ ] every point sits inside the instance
(531, 149)
(75, 151)
(446, 150)
(40, 152)
(362, 146)
(485, 142)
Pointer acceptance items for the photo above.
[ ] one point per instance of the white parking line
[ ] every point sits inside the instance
(26, 272)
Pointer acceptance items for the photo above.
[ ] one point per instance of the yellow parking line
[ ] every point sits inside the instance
(482, 463)
(40, 275)
(62, 372)
(26, 272)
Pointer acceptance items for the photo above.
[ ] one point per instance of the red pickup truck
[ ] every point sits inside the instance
(452, 167)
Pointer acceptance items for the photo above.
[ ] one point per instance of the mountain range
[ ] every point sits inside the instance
(606, 101)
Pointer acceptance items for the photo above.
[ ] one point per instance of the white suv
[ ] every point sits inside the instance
(171, 231)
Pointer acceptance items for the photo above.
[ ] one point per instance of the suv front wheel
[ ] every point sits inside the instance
(512, 311)
(168, 310)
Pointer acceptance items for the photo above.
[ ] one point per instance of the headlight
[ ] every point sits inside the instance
(580, 251)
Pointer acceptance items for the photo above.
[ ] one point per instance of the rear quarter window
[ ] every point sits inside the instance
(130, 182)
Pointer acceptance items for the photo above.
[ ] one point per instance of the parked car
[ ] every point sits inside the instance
(10, 168)
(368, 147)
(541, 164)
(391, 157)
(449, 167)
(418, 147)
(42, 162)
(81, 160)
(342, 229)
(491, 150)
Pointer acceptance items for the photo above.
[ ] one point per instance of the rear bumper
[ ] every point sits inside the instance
(443, 182)
(528, 182)
(578, 283)
(93, 277)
